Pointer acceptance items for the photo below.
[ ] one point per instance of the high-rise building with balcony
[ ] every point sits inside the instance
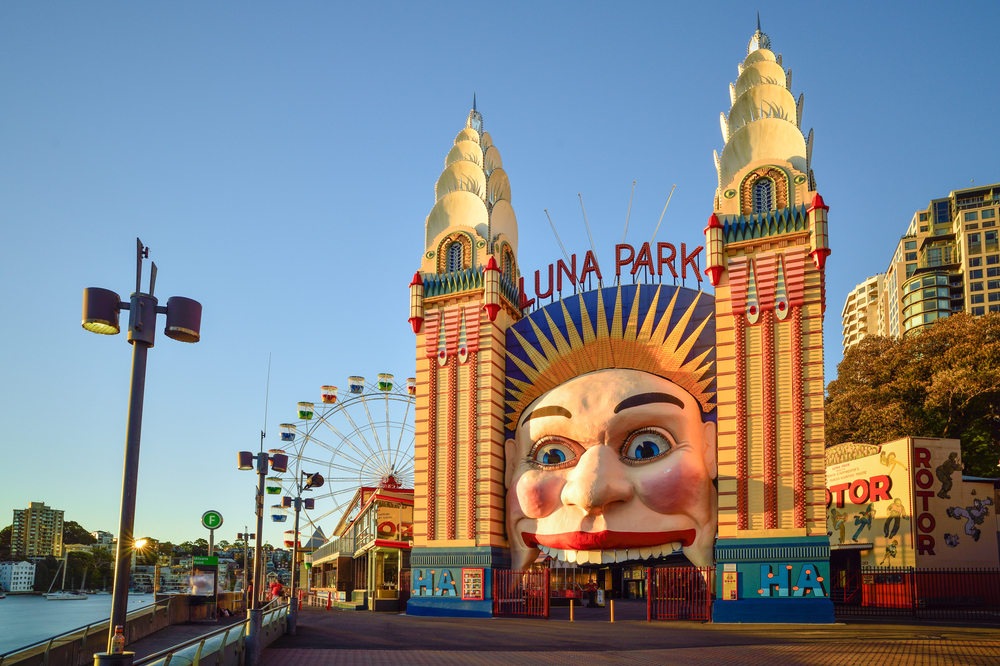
(947, 261)
(37, 531)
(860, 313)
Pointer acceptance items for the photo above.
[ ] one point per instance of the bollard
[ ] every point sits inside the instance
(612, 610)
(571, 609)
(329, 598)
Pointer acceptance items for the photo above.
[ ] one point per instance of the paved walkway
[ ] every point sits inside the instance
(348, 638)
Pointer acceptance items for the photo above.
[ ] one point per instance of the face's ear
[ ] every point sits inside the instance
(711, 443)
(510, 462)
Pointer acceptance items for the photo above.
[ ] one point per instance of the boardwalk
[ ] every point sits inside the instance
(348, 638)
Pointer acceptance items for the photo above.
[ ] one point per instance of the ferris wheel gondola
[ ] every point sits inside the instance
(356, 438)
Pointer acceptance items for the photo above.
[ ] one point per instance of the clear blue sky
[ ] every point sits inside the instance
(280, 159)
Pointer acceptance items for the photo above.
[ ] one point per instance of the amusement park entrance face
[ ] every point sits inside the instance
(612, 466)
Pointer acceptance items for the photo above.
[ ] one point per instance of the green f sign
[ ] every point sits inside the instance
(211, 519)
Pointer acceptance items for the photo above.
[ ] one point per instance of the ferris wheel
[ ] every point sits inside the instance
(359, 437)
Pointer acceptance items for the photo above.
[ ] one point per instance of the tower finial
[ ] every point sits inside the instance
(474, 94)
(758, 22)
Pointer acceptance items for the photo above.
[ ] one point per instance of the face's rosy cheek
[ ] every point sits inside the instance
(673, 486)
(539, 493)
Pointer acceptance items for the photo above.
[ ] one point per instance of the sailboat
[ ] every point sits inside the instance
(65, 595)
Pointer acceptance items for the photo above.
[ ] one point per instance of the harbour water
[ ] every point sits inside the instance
(26, 619)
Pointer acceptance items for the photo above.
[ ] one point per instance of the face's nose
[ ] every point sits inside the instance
(597, 482)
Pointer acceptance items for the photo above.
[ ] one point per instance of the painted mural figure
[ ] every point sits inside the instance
(890, 552)
(944, 472)
(863, 520)
(893, 513)
(890, 461)
(975, 515)
(839, 522)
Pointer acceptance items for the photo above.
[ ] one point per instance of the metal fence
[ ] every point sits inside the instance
(521, 593)
(680, 593)
(936, 594)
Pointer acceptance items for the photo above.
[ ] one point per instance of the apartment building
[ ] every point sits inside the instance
(37, 531)
(947, 261)
(17, 576)
(860, 313)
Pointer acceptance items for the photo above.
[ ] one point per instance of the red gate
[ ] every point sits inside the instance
(404, 589)
(521, 593)
(681, 593)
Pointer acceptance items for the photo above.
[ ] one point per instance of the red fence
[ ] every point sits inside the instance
(938, 594)
(521, 593)
(682, 593)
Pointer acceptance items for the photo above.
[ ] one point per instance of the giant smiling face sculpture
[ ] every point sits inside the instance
(612, 465)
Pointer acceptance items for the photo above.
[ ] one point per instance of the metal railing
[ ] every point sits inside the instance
(680, 593)
(88, 630)
(939, 594)
(521, 593)
(224, 645)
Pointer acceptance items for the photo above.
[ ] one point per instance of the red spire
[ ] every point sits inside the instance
(416, 279)
(491, 265)
(818, 203)
(714, 273)
(713, 223)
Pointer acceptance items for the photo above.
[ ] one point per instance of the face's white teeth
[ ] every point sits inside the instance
(595, 557)
(678, 548)
(645, 553)
(621, 555)
(545, 550)
(607, 556)
(571, 556)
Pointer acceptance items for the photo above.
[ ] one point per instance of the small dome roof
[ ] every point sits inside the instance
(461, 176)
(503, 221)
(459, 208)
(492, 160)
(758, 55)
(764, 139)
(498, 187)
(465, 150)
(486, 141)
(468, 134)
(760, 72)
(767, 100)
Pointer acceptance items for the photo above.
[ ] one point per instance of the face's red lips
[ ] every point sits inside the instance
(607, 539)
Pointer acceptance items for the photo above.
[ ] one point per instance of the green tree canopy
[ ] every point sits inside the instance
(941, 382)
(73, 532)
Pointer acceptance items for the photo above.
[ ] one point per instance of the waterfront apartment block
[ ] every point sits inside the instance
(103, 538)
(947, 261)
(17, 576)
(860, 313)
(37, 531)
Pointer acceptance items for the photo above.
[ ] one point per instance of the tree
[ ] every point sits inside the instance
(941, 382)
(5, 537)
(74, 533)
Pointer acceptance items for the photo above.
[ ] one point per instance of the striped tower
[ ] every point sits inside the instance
(767, 247)
(462, 301)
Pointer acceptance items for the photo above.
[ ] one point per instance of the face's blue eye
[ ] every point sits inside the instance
(553, 453)
(645, 446)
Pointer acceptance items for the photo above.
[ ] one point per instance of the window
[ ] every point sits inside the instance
(763, 195)
(976, 274)
(911, 245)
(923, 217)
(970, 227)
(976, 286)
(993, 284)
(971, 217)
(911, 256)
(975, 247)
(995, 296)
(993, 272)
(910, 268)
(988, 214)
(993, 259)
(923, 228)
(455, 257)
(976, 298)
(978, 311)
(995, 308)
(976, 261)
(991, 241)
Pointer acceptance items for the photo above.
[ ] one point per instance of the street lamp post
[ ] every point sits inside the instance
(101, 308)
(245, 536)
(279, 463)
(311, 481)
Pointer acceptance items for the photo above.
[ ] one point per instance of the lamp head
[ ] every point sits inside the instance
(100, 311)
(286, 502)
(309, 503)
(279, 462)
(183, 319)
(245, 460)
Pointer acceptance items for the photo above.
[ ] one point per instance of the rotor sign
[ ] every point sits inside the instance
(211, 520)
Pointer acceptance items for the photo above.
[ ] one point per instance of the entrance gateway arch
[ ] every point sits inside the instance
(629, 423)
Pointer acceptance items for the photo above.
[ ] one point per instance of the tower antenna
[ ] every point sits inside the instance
(629, 214)
(591, 236)
(267, 391)
(663, 213)
(556, 235)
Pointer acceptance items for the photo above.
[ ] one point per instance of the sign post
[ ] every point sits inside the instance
(211, 520)
(205, 570)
